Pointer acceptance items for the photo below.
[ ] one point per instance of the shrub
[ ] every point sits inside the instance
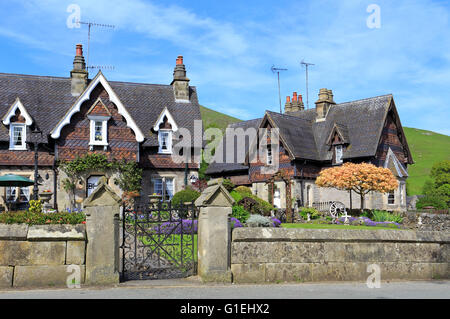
(236, 196)
(243, 190)
(384, 216)
(240, 213)
(228, 184)
(436, 201)
(30, 218)
(264, 207)
(186, 195)
(35, 206)
(304, 211)
(259, 221)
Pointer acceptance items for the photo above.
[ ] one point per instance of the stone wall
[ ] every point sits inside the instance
(38, 256)
(303, 255)
(426, 221)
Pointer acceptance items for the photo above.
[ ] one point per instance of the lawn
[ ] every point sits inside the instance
(172, 245)
(332, 226)
(427, 148)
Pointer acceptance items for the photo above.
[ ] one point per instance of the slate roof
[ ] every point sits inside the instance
(360, 122)
(47, 99)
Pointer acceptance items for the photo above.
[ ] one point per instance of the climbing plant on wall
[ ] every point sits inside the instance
(129, 179)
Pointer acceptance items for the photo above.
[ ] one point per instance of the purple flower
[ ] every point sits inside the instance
(235, 223)
(275, 222)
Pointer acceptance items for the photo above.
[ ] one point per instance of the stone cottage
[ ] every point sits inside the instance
(72, 116)
(367, 130)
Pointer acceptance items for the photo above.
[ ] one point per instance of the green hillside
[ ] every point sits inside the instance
(426, 147)
(216, 119)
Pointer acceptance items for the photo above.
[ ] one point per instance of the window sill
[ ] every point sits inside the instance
(18, 149)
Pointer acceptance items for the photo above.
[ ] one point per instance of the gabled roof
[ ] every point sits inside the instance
(17, 105)
(394, 164)
(98, 108)
(358, 123)
(48, 99)
(341, 131)
(75, 108)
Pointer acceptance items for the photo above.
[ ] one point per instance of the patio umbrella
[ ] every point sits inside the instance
(15, 180)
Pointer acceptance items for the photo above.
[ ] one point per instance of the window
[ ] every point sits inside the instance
(165, 141)
(391, 198)
(11, 194)
(98, 134)
(98, 130)
(338, 153)
(17, 137)
(158, 187)
(269, 155)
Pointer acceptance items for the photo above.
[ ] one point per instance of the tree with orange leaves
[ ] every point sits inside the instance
(360, 178)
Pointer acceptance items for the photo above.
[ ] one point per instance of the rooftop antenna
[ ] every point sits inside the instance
(93, 24)
(306, 64)
(277, 70)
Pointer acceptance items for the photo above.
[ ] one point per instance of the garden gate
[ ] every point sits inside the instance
(159, 241)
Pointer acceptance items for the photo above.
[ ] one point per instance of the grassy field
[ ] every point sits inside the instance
(427, 148)
(330, 226)
(216, 119)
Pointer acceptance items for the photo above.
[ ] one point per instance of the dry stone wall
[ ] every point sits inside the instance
(270, 255)
(38, 256)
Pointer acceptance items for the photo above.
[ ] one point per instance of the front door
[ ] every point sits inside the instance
(92, 184)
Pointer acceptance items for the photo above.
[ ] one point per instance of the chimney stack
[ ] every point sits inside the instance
(287, 106)
(295, 105)
(79, 74)
(323, 104)
(180, 82)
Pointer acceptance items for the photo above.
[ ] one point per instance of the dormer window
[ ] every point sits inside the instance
(165, 126)
(17, 134)
(165, 141)
(18, 119)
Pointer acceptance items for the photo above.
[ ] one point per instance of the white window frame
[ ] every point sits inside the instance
(104, 121)
(169, 141)
(12, 145)
(161, 180)
(338, 149)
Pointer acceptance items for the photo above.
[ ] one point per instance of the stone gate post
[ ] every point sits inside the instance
(102, 209)
(214, 234)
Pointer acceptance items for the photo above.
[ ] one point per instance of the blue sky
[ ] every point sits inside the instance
(229, 47)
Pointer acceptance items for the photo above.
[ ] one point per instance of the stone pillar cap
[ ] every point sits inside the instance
(215, 195)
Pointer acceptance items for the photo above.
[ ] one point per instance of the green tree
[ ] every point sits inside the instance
(441, 173)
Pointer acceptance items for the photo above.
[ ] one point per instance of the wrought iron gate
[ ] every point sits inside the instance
(159, 241)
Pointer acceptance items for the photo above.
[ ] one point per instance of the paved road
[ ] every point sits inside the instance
(193, 289)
